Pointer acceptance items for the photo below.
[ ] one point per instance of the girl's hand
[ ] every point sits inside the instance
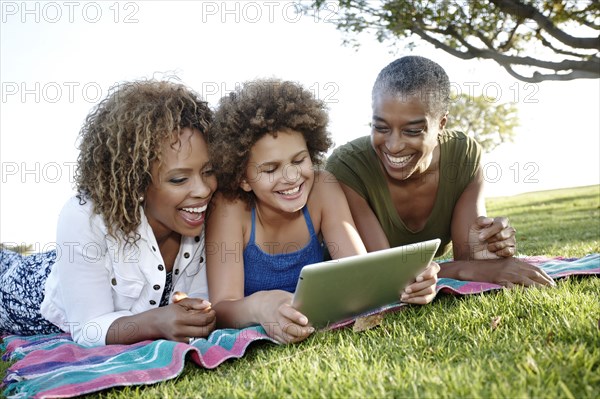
(281, 321)
(422, 291)
(492, 238)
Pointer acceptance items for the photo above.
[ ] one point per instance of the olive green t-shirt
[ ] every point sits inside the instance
(356, 165)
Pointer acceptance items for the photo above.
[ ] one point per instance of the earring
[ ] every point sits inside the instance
(141, 198)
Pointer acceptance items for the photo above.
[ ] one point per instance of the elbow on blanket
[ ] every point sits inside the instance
(89, 334)
(93, 332)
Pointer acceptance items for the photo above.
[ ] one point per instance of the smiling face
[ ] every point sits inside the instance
(404, 135)
(280, 171)
(181, 188)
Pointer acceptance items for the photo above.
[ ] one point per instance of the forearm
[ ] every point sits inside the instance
(460, 269)
(131, 329)
(242, 312)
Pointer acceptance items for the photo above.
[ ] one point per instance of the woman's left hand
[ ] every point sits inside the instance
(492, 238)
(422, 291)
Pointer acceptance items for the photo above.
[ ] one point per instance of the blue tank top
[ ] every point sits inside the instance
(263, 272)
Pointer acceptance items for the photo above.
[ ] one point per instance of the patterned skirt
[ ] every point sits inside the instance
(22, 280)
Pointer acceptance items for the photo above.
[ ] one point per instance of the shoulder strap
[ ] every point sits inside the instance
(309, 224)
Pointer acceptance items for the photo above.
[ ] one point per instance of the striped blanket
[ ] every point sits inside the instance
(55, 366)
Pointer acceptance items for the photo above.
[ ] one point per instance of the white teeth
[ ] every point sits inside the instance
(399, 160)
(195, 210)
(291, 191)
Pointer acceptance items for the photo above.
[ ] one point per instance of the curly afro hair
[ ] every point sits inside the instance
(123, 137)
(256, 108)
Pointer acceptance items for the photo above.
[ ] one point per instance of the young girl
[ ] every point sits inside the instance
(133, 235)
(411, 180)
(273, 212)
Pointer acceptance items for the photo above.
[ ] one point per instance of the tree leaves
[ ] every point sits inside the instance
(563, 34)
(490, 123)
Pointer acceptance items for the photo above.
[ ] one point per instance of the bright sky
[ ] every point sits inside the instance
(58, 59)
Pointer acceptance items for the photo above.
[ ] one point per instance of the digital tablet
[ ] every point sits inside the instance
(335, 290)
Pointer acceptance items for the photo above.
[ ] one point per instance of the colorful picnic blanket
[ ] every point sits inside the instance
(54, 366)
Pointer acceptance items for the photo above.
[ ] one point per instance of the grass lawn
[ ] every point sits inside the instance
(545, 345)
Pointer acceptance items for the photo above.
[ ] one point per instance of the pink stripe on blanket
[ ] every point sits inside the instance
(216, 355)
(71, 352)
(470, 287)
(129, 378)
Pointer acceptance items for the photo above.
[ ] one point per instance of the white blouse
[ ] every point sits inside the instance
(97, 279)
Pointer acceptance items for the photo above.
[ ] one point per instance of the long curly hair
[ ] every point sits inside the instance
(121, 140)
(256, 108)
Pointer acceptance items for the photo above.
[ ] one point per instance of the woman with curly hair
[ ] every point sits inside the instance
(274, 210)
(129, 262)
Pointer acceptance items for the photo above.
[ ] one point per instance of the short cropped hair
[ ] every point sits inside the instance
(415, 76)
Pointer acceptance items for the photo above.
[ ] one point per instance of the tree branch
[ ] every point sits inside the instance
(580, 17)
(471, 30)
(522, 10)
(592, 65)
(539, 77)
(579, 69)
(546, 43)
(508, 43)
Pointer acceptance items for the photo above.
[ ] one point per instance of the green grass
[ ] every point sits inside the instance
(558, 222)
(546, 345)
